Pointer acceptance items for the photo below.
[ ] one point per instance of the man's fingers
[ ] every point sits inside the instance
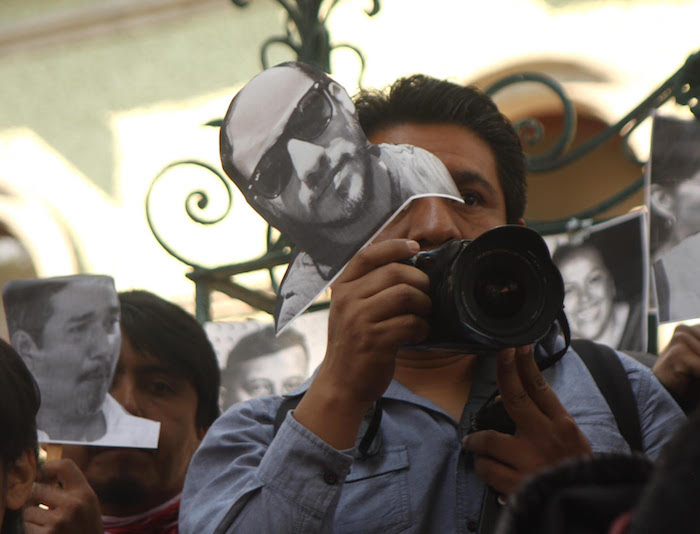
(386, 276)
(516, 399)
(46, 494)
(493, 444)
(396, 300)
(687, 336)
(376, 255)
(36, 516)
(690, 331)
(493, 459)
(402, 330)
(63, 471)
(535, 384)
(502, 478)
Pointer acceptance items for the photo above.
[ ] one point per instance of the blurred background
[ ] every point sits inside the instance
(97, 97)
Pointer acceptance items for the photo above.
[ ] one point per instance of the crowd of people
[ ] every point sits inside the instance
(382, 437)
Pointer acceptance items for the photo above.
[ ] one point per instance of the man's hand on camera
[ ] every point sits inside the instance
(545, 432)
(68, 503)
(678, 366)
(378, 305)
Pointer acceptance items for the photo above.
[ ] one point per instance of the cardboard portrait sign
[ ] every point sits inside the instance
(66, 329)
(605, 274)
(674, 206)
(292, 144)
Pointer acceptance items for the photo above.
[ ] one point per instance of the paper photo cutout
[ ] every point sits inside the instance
(255, 362)
(292, 144)
(674, 207)
(66, 329)
(605, 274)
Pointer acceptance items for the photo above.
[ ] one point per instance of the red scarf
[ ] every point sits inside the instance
(161, 520)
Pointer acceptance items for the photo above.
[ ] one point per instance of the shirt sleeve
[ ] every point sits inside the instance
(243, 479)
(659, 415)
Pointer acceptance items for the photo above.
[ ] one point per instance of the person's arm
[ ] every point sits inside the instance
(245, 480)
(545, 432)
(69, 504)
(659, 415)
(377, 305)
(678, 366)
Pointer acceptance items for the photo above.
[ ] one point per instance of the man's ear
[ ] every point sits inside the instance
(20, 478)
(521, 222)
(25, 347)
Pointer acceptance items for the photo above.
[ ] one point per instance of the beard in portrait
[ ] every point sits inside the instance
(292, 144)
(66, 330)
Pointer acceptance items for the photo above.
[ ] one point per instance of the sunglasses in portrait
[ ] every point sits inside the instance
(308, 121)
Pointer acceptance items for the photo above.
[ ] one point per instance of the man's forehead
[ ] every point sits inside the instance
(143, 363)
(260, 112)
(80, 297)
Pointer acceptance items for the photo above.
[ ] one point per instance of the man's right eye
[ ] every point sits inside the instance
(472, 199)
(80, 328)
(259, 387)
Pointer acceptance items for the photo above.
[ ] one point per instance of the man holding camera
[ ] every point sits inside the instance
(384, 437)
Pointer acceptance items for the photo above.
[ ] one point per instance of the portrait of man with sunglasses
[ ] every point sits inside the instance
(293, 145)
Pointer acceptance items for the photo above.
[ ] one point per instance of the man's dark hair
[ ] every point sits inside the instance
(262, 342)
(425, 100)
(675, 154)
(167, 332)
(28, 305)
(19, 403)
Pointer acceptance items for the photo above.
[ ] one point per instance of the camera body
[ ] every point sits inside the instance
(499, 290)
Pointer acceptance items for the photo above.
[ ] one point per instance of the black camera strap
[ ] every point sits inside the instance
(369, 437)
(550, 360)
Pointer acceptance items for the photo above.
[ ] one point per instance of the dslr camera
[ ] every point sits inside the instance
(498, 290)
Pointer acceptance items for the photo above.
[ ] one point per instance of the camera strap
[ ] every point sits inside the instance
(550, 360)
(368, 435)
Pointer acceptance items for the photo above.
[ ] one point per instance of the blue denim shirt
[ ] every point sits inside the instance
(245, 479)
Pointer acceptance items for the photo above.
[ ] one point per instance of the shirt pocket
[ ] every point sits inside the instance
(375, 497)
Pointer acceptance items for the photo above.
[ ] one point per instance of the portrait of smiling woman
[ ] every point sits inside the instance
(605, 277)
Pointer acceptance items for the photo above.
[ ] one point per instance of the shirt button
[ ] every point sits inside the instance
(472, 526)
(330, 478)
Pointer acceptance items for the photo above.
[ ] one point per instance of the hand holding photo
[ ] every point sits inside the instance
(292, 144)
(66, 330)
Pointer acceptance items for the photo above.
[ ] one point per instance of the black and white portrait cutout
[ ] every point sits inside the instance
(605, 274)
(292, 144)
(255, 362)
(66, 329)
(674, 206)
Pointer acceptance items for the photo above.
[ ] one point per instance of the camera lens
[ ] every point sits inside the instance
(499, 294)
(501, 291)
(498, 290)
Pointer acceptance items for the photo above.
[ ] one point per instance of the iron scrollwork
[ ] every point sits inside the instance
(683, 85)
(307, 35)
(196, 203)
